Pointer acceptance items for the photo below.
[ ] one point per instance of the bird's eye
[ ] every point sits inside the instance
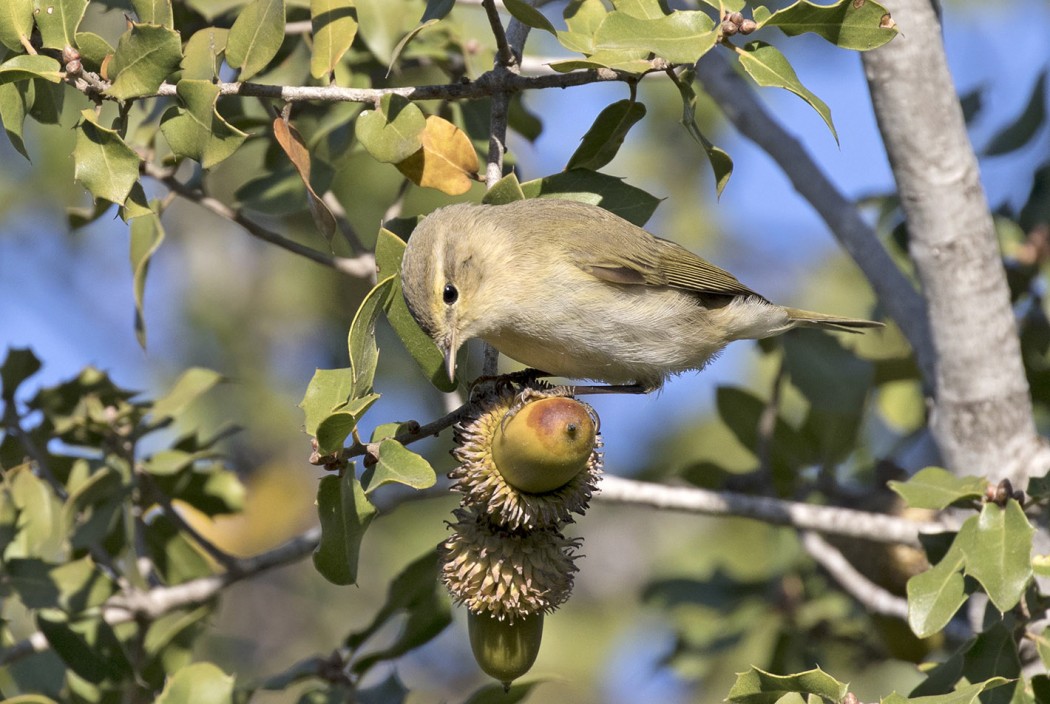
(450, 294)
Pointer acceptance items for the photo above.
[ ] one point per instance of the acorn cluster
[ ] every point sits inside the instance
(529, 460)
(734, 22)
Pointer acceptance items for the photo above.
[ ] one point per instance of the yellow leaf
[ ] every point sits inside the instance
(446, 161)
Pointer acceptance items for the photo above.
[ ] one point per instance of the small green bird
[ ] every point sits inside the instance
(578, 292)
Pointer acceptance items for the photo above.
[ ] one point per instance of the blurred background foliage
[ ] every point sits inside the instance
(666, 607)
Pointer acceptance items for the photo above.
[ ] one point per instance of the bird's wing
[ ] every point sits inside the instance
(666, 264)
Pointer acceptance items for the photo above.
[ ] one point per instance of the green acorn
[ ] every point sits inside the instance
(545, 445)
(505, 650)
(528, 460)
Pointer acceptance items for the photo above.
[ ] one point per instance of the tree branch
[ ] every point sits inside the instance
(982, 416)
(873, 597)
(361, 266)
(834, 520)
(895, 292)
(485, 86)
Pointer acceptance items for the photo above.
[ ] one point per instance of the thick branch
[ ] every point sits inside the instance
(895, 293)
(982, 417)
(876, 527)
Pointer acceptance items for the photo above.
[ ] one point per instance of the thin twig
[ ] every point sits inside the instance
(485, 86)
(504, 53)
(361, 266)
(873, 597)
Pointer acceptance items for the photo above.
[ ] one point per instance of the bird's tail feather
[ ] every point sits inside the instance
(809, 319)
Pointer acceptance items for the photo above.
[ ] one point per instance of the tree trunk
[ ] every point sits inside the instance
(981, 412)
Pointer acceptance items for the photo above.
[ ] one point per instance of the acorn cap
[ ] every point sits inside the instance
(484, 487)
(507, 574)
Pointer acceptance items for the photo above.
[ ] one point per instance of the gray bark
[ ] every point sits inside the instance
(981, 413)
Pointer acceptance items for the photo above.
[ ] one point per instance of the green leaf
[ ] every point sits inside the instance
(1020, 132)
(26, 66)
(769, 68)
(392, 133)
(681, 37)
(999, 553)
(428, 615)
(58, 20)
(93, 49)
(993, 654)
(327, 390)
(364, 355)
(154, 12)
(196, 129)
(623, 60)
(398, 464)
(413, 589)
(847, 24)
(39, 532)
(13, 115)
(192, 384)
(506, 190)
(721, 164)
(19, 364)
(529, 15)
(963, 695)
(146, 55)
(333, 430)
(1039, 487)
(435, 11)
(211, 489)
(937, 488)
(382, 23)
(256, 37)
(605, 137)
(200, 57)
(334, 25)
(389, 251)
(758, 687)
(146, 235)
(643, 9)
(345, 513)
(584, 16)
(106, 166)
(89, 646)
(198, 683)
(611, 193)
(936, 594)
(16, 23)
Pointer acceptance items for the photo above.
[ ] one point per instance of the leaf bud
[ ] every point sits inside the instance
(748, 26)
(736, 18)
(728, 28)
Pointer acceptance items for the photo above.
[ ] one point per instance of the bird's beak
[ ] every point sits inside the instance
(450, 349)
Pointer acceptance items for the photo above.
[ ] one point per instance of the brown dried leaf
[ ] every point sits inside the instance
(447, 160)
(292, 144)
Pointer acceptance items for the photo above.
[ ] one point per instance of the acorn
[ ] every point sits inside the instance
(545, 444)
(505, 649)
(528, 460)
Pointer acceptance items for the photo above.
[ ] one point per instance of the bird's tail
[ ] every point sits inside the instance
(809, 319)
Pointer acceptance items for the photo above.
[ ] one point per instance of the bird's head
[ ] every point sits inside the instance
(448, 279)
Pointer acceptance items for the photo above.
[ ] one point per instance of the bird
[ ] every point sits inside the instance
(573, 290)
